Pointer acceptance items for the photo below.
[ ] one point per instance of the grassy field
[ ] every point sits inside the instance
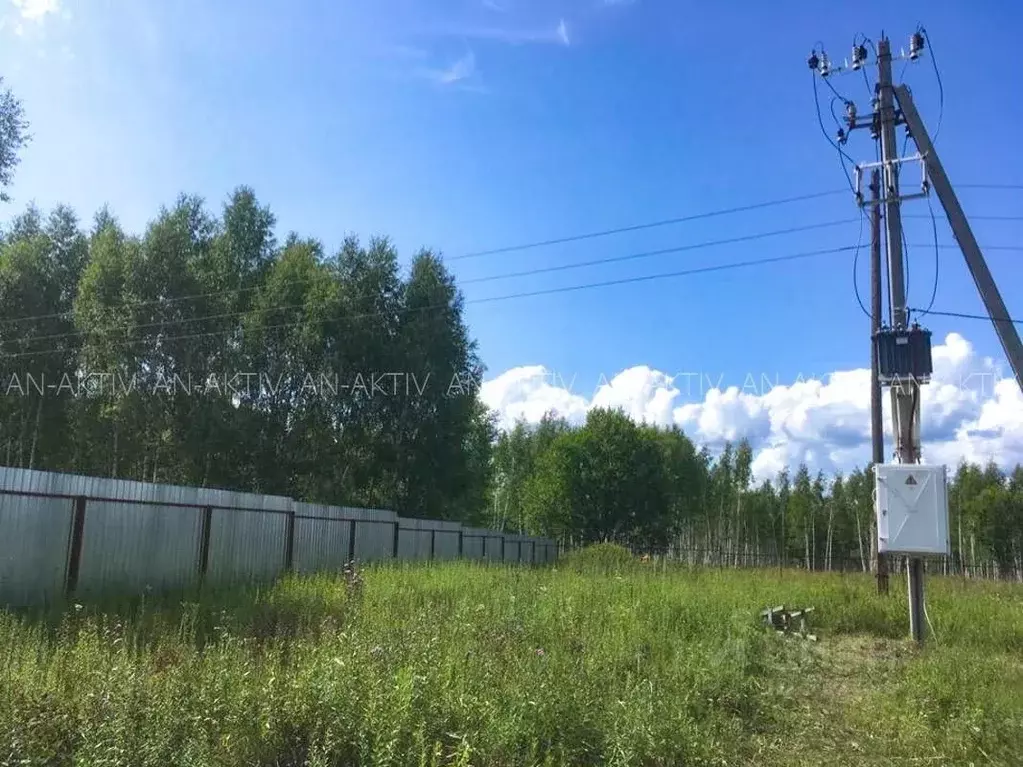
(465, 665)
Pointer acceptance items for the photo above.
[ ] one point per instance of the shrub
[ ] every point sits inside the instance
(599, 558)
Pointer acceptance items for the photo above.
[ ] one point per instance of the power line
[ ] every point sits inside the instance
(966, 316)
(491, 278)
(489, 299)
(1018, 187)
(946, 246)
(527, 246)
(650, 225)
(494, 251)
(667, 275)
(972, 217)
(651, 253)
(152, 302)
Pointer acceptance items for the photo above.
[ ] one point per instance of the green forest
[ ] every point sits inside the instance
(206, 351)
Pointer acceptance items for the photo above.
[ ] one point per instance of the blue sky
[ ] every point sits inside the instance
(473, 124)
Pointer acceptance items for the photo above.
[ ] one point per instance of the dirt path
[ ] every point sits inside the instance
(822, 693)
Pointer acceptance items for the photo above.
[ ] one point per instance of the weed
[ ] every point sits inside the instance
(597, 662)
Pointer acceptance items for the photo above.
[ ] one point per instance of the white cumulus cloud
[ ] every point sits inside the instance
(528, 393)
(36, 10)
(969, 410)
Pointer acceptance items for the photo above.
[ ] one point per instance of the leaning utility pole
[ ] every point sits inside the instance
(879, 561)
(1005, 328)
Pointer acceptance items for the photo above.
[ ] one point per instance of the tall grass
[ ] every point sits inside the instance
(469, 665)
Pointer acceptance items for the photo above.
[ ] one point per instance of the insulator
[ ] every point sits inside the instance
(859, 55)
(825, 67)
(916, 44)
(841, 136)
(813, 61)
(850, 110)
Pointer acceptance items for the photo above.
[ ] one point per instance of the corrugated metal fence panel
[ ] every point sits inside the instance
(539, 551)
(424, 538)
(321, 544)
(129, 547)
(374, 533)
(472, 546)
(413, 543)
(138, 534)
(34, 534)
(543, 552)
(526, 555)
(472, 542)
(511, 548)
(246, 545)
(494, 547)
(445, 544)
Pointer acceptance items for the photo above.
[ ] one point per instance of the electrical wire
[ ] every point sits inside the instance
(507, 249)
(490, 278)
(542, 270)
(839, 96)
(937, 258)
(831, 107)
(971, 217)
(931, 625)
(941, 87)
(941, 108)
(651, 225)
(652, 253)
(967, 316)
(485, 300)
(905, 264)
(216, 293)
(1016, 187)
(856, 261)
(945, 246)
(863, 67)
(842, 156)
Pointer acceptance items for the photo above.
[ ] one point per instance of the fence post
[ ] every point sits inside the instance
(460, 543)
(289, 542)
(483, 540)
(397, 527)
(204, 543)
(351, 541)
(74, 561)
(433, 545)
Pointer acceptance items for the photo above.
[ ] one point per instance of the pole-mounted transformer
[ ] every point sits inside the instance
(903, 355)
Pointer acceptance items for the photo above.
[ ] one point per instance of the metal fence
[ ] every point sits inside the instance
(62, 534)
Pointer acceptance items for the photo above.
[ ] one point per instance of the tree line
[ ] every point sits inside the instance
(204, 351)
(653, 489)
